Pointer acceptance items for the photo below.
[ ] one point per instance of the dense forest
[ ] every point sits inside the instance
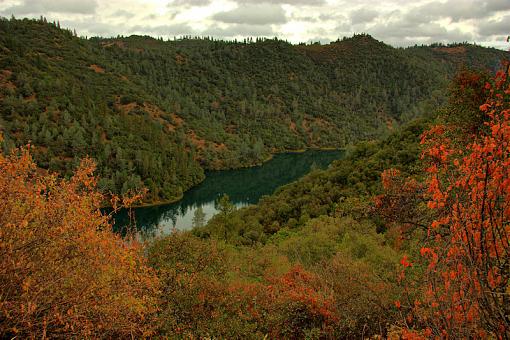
(405, 238)
(155, 113)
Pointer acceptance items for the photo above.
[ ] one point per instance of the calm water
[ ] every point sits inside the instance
(243, 186)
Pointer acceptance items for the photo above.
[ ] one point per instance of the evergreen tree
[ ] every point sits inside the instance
(198, 218)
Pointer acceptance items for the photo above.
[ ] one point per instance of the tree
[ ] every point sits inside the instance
(63, 272)
(467, 291)
(225, 208)
(199, 218)
(403, 202)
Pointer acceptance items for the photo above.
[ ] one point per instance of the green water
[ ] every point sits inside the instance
(243, 186)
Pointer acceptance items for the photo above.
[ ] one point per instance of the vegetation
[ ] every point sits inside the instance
(383, 242)
(155, 113)
(406, 237)
(466, 288)
(345, 188)
(63, 272)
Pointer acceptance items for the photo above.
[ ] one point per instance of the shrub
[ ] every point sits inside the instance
(63, 272)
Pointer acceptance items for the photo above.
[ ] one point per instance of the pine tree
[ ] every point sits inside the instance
(198, 218)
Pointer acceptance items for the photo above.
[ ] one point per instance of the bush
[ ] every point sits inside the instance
(63, 272)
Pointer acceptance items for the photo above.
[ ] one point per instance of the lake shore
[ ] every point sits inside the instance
(243, 186)
(267, 159)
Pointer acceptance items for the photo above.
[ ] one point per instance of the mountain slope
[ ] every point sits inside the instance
(156, 113)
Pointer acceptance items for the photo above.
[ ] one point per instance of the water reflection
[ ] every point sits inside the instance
(243, 186)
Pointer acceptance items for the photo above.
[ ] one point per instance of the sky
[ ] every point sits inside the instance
(396, 22)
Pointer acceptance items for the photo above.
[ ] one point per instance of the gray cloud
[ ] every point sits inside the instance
(191, 3)
(343, 27)
(41, 7)
(492, 27)
(497, 5)
(363, 15)
(287, 2)
(262, 14)
(404, 32)
(397, 22)
(165, 30)
(188, 3)
(150, 17)
(319, 40)
(245, 30)
(307, 18)
(92, 28)
(459, 10)
(454, 9)
(330, 16)
(418, 24)
(123, 14)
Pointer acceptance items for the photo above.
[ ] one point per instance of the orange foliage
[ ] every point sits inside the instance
(468, 246)
(467, 93)
(63, 272)
(402, 204)
(297, 301)
(199, 300)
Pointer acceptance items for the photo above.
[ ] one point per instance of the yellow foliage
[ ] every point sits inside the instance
(63, 272)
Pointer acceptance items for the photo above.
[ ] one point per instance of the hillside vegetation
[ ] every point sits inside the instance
(407, 237)
(156, 113)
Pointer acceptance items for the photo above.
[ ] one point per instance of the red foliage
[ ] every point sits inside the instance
(467, 293)
(468, 91)
(402, 203)
(301, 304)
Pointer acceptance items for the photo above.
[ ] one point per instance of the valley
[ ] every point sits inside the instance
(199, 188)
(156, 113)
(243, 187)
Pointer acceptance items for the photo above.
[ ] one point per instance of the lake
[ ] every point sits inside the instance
(243, 186)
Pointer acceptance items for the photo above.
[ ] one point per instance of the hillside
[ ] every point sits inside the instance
(157, 113)
(405, 237)
(393, 241)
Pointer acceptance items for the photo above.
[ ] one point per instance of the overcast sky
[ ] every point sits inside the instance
(397, 22)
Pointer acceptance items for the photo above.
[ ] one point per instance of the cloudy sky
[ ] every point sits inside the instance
(397, 22)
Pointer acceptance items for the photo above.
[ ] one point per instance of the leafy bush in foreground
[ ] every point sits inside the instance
(63, 272)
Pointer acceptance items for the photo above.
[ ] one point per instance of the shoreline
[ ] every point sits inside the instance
(309, 149)
(165, 202)
(267, 159)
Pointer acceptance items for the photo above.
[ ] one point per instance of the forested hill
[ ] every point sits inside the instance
(156, 113)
